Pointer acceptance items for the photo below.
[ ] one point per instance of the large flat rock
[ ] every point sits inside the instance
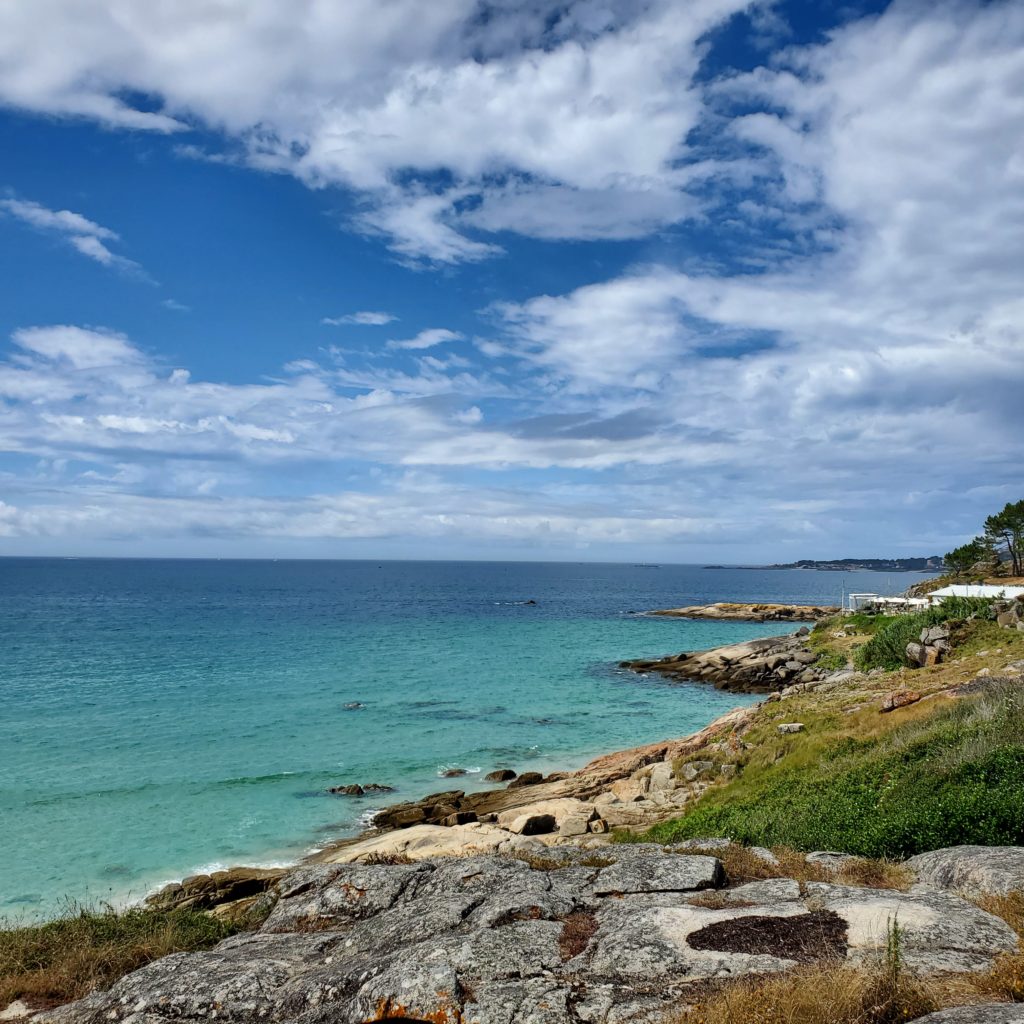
(938, 931)
(972, 870)
(617, 935)
(989, 1013)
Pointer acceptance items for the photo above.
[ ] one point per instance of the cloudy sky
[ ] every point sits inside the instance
(674, 280)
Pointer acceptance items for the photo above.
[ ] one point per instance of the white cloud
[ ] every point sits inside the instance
(862, 368)
(84, 235)
(429, 338)
(595, 99)
(81, 348)
(367, 318)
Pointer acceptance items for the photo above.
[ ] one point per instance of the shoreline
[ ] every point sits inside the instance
(601, 789)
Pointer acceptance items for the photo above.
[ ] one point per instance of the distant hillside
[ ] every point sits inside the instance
(932, 564)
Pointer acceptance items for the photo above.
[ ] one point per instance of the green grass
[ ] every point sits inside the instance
(946, 778)
(87, 949)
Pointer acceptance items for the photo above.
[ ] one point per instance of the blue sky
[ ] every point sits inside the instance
(615, 279)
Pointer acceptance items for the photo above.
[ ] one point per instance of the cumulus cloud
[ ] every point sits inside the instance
(366, 318)
(82, 234)
(82, 349)
(512, 104)
(854, 358)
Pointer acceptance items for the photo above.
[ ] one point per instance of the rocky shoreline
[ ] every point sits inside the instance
(753, 666)
(746, 612)
(511, 905)
(633, 788)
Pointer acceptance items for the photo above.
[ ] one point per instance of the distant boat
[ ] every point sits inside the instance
(645, 565)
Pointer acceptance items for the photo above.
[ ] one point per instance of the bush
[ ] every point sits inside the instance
(887, 648)
(87, 949)
(953, 778)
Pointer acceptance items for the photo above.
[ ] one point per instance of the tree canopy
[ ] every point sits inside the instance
(1003, 539)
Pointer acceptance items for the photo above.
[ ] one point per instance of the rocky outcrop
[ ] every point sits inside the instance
(220, 888)
(1010, 614)
(931, 647)
(739, 612)
(620, 934)
(989, 1013)
(972, 870)
(754, 666)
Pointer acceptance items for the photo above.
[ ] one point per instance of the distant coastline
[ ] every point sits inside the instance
(932, 564)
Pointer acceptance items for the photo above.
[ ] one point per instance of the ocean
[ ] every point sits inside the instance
(163, 717)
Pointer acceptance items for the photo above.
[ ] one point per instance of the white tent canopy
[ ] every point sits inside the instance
(977, 590)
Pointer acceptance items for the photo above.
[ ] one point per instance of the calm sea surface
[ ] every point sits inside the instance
(159, 717)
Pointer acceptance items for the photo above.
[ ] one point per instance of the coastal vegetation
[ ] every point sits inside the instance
(890, 634)
(875, 785)
(89, 948)
(1000, 547)
(955, 776)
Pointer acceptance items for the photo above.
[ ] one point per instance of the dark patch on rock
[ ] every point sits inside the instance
(806, 938)
(578, 929)
(539, 825)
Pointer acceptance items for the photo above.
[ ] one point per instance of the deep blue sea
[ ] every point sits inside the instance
(161, 717)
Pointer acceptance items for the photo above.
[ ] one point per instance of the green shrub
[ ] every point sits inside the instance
(955, 777)
(887, 648)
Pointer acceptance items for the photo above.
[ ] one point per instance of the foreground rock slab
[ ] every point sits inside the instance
(989, 1013)
(619, 934)
(972, 870)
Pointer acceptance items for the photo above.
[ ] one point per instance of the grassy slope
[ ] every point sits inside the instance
(933, 774)
(86, 949)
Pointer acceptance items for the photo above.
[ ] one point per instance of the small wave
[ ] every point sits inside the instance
(211, 867)
(365, 819)
(442, 769)
(254, 780)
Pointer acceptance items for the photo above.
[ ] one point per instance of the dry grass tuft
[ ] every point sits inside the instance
(1006, 979)
(742, 865)
(578, 929)
(872, 873)
(1010, 908)
(387, 858)
(718, 899)
(85, 949)
(537, 861)
(827, 993)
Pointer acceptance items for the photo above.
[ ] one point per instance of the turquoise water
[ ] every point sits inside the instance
(159, 717)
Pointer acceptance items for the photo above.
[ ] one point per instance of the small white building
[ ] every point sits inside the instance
(976, 590)
(889, 605)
